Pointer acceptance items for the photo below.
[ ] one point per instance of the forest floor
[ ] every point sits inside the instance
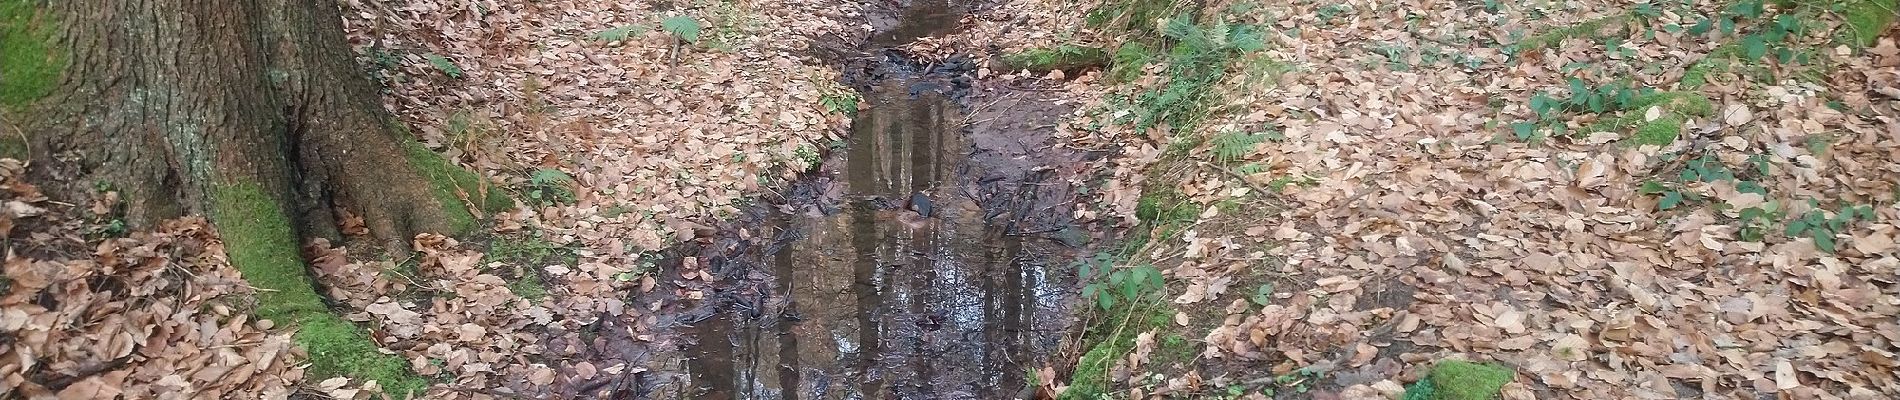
(1453, 199)
(1422, 199)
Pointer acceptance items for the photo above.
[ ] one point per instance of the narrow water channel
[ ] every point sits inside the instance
(920, 283)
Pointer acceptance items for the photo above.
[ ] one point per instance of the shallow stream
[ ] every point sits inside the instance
(939, 269)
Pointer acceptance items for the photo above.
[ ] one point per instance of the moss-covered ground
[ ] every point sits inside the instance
(262, 245)
(1461, 380)
(1676, 109)
(30, 65)
(1064, 57)
(1111, 340)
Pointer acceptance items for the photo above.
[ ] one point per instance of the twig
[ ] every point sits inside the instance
(673, 57)
(1236, 175)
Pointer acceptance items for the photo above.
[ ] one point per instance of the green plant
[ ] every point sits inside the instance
(1591, 29)
(111, 222)
(619, 33)
(1673, 194)
(444, 65)
(1110, 339)
(1327, 13)
(1760, 36)
(1234, 146)
(1817, 225)
(839, 101)
(1250, 168)
(1133, 16)
(1757, 221)
(1109, 285)
(807, 155)
(451, 184)
(1707, 168)
(466, 131)
(683, 27)
(531, 249)
(1394, 54)
(262, 244)
(549, 186)
(1263, 295)
(1128, 61)
(1704, 169)
(1624, 107)
(1603, 98)
(381, 65)
(528, 285)
(1199, 58)
(1300, 380)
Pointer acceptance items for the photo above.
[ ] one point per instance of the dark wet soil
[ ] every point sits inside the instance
(929, 258)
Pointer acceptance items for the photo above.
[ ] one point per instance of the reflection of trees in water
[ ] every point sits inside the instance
(880, 309)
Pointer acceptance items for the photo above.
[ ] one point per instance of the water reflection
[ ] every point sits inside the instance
(884, 302)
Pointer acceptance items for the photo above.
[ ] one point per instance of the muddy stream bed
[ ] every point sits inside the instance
(928, 258)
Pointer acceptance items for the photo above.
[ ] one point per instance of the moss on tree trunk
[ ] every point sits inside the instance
(250, 111)
(260, 239)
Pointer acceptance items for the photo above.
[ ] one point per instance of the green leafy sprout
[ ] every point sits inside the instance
(682, 26)
(549, 186)
(444, 65)
(619, 33)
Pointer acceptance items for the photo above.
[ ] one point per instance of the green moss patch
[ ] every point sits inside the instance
(339, 348)
(1660, 132)
(1116, 338)
(1461, 380)
(30, 66)
(1065, 57)
(1867, 19)
(449, 182)
(1677, 109)
(1677, 102)
(262, 245)
(1592, 29)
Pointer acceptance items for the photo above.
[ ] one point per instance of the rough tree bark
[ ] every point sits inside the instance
(252, 112)
(170, 102)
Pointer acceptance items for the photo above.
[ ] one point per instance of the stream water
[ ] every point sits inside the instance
(937, 273)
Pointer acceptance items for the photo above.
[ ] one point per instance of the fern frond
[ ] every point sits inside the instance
(1234, 146)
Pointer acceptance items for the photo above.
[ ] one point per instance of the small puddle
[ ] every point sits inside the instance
(925, 279)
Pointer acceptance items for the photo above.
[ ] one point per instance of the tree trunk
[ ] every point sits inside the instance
(169, 101)
(253, 112)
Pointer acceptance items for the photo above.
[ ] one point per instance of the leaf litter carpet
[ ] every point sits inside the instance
(1413, 224)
